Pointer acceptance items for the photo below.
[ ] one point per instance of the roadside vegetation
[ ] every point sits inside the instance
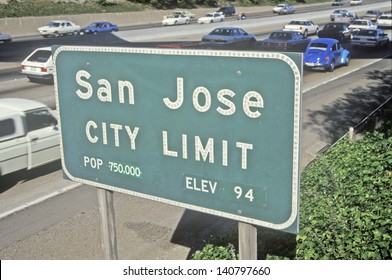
(345, 212)
(25, 8)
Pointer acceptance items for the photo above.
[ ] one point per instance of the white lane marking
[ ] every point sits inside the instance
(39, 200)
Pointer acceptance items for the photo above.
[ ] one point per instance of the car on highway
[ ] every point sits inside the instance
(229, 37)
(283, 9)
(336, 30)
(370, 38)
(57, 28)
(347, 18)
(227, 11)
(338, 3)
(359, 24)
(373, 15)
(326, 54)
(29, 135)
(176, 19)
(306, 27)
(211, 18)
(338, 13)
(356, 2)
(98, 27)
(5, 38)
(285, 40)
(38, 66)
(183, 13)
(384, 21)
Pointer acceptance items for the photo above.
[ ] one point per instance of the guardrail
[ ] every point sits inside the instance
(372, 121)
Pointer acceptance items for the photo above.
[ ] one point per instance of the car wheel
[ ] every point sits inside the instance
(332, 66)
(386, 44)
(56, 34)
(211, 21)
(187, 22)
(175, 23)
(347, 61)
(306, 33)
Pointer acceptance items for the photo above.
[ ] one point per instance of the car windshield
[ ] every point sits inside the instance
(53, 24)
(385, 17)
(281, 36)
(367, 32)
(359, 22)
(40, 56)
(318, 46)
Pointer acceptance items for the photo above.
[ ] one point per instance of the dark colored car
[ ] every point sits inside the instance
(98, 27)
(227, 11)
(285, 40)
(336, 30)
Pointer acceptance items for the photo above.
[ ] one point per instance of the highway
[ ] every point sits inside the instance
(52, 226)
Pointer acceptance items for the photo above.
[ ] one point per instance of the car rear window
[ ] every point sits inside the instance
(367, 32)
(7, 127)
(319, 46)
(40, 56)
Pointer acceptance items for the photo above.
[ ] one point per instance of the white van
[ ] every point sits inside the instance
(38, 66)
(29, 135)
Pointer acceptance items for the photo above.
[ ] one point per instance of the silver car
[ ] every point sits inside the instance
(370, 38)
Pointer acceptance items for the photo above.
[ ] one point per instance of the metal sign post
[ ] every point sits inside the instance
(108, 225)
(212, 131)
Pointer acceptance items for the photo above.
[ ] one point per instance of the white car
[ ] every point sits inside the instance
(283, 9)
(185, 13)
(306, 27)
(29, 136)
(355, 2)
(176, 19)
(58, 28)
(385, 20)
(38, 66)
(360, 24)
(211, 18)
(370, 38)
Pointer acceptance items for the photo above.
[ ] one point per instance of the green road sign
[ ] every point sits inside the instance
(213, 131)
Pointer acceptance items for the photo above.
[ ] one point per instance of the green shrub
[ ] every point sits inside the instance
(346, 213)
(346, 198)
(216, 252)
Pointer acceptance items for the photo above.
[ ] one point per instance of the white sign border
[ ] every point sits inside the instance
(215, 53)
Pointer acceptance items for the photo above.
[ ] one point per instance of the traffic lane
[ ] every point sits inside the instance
(21, 87)
(17, 50)
(330, 109)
